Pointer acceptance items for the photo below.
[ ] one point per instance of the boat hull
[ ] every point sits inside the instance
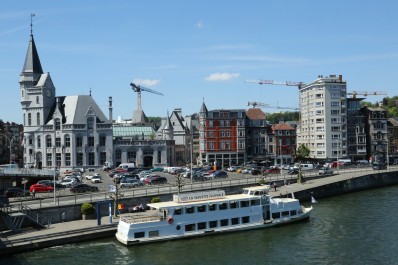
(122, 237)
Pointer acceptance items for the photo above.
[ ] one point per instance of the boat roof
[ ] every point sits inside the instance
(173, 204)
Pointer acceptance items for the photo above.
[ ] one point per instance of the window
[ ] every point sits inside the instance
(255, 202)
(91, 141)
(79, 159)
(224, 222)
(38, 141)
(177, 211)
(235, 221)
(91, 159)
(212, 207)
(102, 140)
(285, 214)
(212, 224)
(118, 154)
(58, 142)
(201, 226)
(102, 158)
(57, 125)
(201, 208)
(37, 100)
(79, 141)
(48, 141)
(49, 160)
(223, 206)
(335, 103)
(90, 123)
(293, 212)
(276, 215)
(244, 204)
(58, 158)
(233, 205)
(189, 209)
(153, 233)
(139, 234)
(67, 140)
(245, 219)
(189, 227)
(38, 118)
(29, 119)
(67, 159)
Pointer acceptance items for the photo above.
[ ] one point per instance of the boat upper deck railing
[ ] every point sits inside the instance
(141, 219)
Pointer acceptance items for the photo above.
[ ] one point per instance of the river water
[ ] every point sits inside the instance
(356, 228)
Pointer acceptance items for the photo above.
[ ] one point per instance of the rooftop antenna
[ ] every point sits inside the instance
(31, 23)
(90, 91)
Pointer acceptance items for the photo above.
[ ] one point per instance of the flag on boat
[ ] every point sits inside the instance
(112, 188)
(313, 200)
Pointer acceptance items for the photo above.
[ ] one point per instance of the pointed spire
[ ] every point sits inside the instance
(203, 108)
(32, 61)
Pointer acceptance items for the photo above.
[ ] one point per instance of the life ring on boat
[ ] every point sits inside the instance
(170, 220)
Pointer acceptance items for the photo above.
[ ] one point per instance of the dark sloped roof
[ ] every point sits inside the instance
(32, 61)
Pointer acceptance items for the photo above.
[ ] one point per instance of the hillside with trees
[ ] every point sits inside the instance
(389, 104)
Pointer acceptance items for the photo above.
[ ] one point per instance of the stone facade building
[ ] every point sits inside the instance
(60, 131)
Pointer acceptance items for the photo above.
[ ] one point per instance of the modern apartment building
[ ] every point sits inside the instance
(322, 127)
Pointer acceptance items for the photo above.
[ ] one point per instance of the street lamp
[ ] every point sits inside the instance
(10, 140)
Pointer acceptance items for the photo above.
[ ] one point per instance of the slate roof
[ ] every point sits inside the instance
(32, 62)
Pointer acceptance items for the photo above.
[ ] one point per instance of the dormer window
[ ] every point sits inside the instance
(57, 125)
(90, 123)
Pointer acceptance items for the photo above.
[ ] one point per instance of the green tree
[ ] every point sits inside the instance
(302, 153)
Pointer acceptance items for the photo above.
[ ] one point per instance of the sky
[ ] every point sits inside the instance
(197, 51)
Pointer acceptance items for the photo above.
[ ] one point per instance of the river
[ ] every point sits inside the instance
(356, 228)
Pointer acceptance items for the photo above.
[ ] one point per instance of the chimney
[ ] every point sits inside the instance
(341, 78)
(110, 109)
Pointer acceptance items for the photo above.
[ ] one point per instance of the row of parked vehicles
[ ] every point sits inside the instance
(136, 177)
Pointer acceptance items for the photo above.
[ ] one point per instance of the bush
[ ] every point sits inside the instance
(155, 200)
(87, 208)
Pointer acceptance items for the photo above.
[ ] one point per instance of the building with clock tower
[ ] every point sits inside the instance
(60, 131)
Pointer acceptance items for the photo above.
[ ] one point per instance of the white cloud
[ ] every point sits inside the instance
(221, 76)
(200, 24)
(146, 82)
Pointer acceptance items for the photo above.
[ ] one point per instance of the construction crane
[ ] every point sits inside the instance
(272, 82)
(264, 105)
(138, 89)
(354, 94)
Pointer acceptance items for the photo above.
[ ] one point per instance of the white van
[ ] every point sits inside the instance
(307, 166)
(126, 166)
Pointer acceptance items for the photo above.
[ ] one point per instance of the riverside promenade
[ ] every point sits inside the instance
(85, 230)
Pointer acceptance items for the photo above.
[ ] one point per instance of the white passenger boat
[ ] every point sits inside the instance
(209, 212)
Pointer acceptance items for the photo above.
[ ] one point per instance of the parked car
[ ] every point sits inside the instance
(325, 171)
(155, 179)
(80, 188)
(157, 169)
(294, 171)
(16, 192)
(40, 188)
(216, 174)
(232, 168)
(272, 170)
(96, 179)
(68, 182)
(130, 183)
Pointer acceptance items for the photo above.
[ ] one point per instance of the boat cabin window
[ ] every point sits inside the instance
(293, 212)
(202, 226)
(224, 222)
(244, 204)
(212, 224)
(201, 208)
(285, 214)
(223, 206)
(245, 219)
(177, 211)
(245, 192)
(276, 215)
(233, 205)
(212, 207)
(189, 209)
(255, 202)
(235, 221)
(139, 234)
(189, 227)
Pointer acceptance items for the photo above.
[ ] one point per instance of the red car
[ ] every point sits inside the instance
(41, 188)
(273, 170)
(155, 179)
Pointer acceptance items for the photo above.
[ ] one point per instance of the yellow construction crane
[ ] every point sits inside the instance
(354, 94)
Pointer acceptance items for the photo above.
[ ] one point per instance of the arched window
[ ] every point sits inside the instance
(37, 100)
(38, 118)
